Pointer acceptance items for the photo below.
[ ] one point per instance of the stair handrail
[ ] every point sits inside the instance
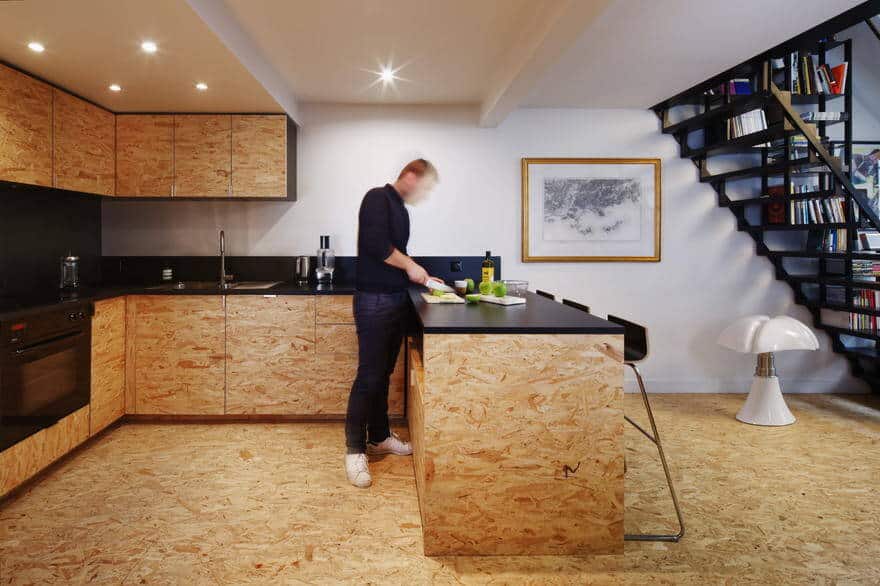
(830, 161)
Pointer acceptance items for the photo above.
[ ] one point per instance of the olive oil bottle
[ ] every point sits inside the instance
(488, 268)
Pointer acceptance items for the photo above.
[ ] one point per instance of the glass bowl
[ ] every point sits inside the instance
(516, 288)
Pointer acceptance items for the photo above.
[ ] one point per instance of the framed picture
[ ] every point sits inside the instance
(591, 210)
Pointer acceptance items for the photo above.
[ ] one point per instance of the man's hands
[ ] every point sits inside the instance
(416, 273)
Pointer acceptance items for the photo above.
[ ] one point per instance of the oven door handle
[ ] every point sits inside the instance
(48, 345)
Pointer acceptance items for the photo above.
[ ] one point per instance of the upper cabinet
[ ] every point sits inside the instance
(51, 138)
(25, 128)
(85, 154)
(202, 155)
(259, 156)
(144, 155)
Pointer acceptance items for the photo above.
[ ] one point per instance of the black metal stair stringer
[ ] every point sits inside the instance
(777, 101)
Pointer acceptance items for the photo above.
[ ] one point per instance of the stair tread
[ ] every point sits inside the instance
(760, 170)
(735, 107)
(785, 198)
(771, 227)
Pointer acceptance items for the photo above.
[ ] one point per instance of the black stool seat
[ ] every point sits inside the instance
(545, 294)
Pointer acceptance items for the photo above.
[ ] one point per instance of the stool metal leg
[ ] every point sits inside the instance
(656, 439)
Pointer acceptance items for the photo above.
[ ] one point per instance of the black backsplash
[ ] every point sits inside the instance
(147, 270)
(37, 227)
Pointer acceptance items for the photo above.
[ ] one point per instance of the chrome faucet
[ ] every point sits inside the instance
(224, 284)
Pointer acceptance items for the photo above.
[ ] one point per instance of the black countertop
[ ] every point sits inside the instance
(16, 306)
(538, 315)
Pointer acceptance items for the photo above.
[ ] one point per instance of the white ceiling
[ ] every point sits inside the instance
(329, 51)
(93, 43)
(498, 54)
(640, 52)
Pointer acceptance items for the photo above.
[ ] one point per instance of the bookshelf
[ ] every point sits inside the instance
(785, 118)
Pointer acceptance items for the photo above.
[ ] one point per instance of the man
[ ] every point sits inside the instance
(384, 271)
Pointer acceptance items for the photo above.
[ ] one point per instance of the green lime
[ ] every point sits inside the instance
(472, 297)
(470, 285)
(437, 292)
(486, 287)
(500, 289)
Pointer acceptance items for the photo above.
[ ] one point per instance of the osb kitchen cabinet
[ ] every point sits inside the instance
(108, 363)
(202, 155)
(25, 128)
(178, 354)
(144, 155)
(259, 156)
(34, 453)
(84, 153)
(270, 363)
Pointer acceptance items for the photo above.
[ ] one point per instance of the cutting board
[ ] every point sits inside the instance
(506, 300)
(446, 298)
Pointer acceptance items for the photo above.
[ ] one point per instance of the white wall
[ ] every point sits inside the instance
(709, 274)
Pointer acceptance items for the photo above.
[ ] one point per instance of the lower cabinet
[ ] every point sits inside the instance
(31, 455)
(108, 364)
(178, 354)
(284, 356)
(270, 362)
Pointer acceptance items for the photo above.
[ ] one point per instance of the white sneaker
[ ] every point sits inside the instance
(357, 470)
(390, 445)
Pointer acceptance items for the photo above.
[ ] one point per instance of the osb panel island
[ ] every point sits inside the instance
(516, 420)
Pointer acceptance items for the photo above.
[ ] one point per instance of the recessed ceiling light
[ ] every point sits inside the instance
(386, 75)
(36, 47)
(201, 86)
(149, 47)
(115, 87)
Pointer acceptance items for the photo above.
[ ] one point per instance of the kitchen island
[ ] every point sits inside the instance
(516, 419)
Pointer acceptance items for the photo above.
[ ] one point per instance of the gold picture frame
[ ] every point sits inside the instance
(528, 256)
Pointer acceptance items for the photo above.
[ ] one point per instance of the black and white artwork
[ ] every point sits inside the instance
(591, 209)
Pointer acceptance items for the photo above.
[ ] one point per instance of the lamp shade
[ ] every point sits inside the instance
(756, 334)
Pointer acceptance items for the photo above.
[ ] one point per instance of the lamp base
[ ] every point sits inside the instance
(765, 405)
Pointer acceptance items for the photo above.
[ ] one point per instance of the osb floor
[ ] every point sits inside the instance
(269, 504)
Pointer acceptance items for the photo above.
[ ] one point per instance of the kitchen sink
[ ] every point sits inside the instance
(186, 286)
(212, 285)
(254, 285)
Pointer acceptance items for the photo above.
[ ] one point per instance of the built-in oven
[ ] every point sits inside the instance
(45, 368)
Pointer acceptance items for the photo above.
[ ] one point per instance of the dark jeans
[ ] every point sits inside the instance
(381, 323)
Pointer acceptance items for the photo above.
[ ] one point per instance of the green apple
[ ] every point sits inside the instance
(500, 289)
(472, 297)
(486, 287)
(470, 285)
(437, 292)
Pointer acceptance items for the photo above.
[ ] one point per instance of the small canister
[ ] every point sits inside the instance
(69, 272)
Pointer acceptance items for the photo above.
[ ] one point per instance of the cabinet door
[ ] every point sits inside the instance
(85, 156)
(179, 354)
(337, 354)
(108, 363)
(34, 453)
(259, 156)
(25, 128)
(202, 155)
(144, 150)
(270, 345)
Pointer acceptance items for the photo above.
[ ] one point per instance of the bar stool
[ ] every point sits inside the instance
(635, 343)
(576, 305)
(549, 296)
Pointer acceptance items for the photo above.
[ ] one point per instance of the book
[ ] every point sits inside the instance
(840, 73)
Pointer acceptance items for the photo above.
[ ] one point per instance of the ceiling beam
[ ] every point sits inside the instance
(220, 19)
(551, 30)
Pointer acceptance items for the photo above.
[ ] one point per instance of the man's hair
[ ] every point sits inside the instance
(420, 168)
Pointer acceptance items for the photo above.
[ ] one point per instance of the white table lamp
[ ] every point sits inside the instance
(763, 335)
